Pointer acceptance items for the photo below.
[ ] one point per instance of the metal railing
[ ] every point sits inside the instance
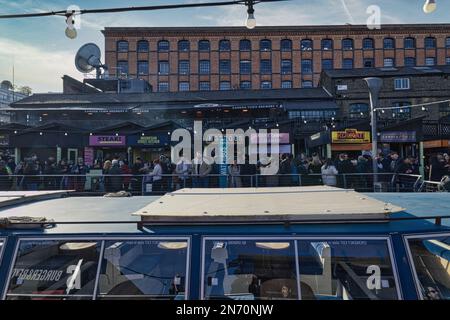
(95, 184)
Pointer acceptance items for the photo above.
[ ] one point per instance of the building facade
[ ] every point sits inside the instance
(7, 97)
(227, 58)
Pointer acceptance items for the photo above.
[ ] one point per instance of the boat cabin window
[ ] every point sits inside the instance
(431, 262)
(148, 269)
(1, 249)
(52, 270)
(298, 269)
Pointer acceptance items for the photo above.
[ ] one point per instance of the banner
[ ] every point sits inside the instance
(398, 136)
(352, 136)
(148, 141)
(107, 141)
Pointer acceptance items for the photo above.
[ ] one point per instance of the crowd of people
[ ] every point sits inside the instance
(161, 175)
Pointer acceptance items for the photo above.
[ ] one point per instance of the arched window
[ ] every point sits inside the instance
(368, 44)
(183, 45)
(447, 42)
(347, 44)
(389, 43)
(430, 43)
(286, 45)
(409, 43)
(245, 45)
(306, 45)
(327, 44)
(265, 45)
(163, 46)
(203, 45)
(358, 110)
(224, 45)
(122, 46)
(142, 46)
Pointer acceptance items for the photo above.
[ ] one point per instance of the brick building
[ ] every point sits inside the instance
(226, 58)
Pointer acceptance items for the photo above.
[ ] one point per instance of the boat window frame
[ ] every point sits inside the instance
(101, 241)
(2, 248)
(412, 267)
(387, 239)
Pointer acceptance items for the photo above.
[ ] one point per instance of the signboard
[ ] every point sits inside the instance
(398, 136)
(283, 138)
(342, 87)
(350, 136)
(4, 140)
(107, 141)
(148, 141)
(89, 156)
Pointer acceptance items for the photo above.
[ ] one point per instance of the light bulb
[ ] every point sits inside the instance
(251, 21)
(429, 6)
(71, 33)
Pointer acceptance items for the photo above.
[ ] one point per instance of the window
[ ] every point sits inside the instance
(307, 66)
(347, 44)
(122, 46)
(401, 113)
(286, 84)
(369, 63)
(286, 45)
(163, 87)
(368, 44)
(430, 258)
(1, 250)
(286, 66)
(184, 46)
(306, 45)
(447, 60)
(225, 66)
(266, 66)
(245, 85)
(358, 110)
(307, 84)
(45, 270)
(142, 67)
(409, 43)
(430, 61)
(347, 64)
(338, 269)
(183, 67)
(312, 114)
(265, 45)
(430, 43)
(389, 43)
(144, 269)
(142, 46)
(388, 62)
(203, 45)
(163, 67)
(327, 64)
(447, 42)
(204, 67)
(245, 67)
(225, 85)
(122, 68)
(327, 44)
(410, 62)
(245, 45)
(183, 86)
(266, 85)
(163, 46)
(224, 45)
(205, 86)
(402, 84)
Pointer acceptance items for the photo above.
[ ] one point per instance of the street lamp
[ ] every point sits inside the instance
(251, 21)
(374, 85)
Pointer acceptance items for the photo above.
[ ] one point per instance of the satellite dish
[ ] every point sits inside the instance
(88, 58)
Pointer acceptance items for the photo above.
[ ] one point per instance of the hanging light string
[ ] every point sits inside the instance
(413, 106)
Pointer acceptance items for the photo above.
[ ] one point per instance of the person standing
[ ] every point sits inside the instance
(329, 173)
(156, 175)
(234, 170)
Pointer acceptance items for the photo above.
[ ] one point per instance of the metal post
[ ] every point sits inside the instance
(374, 85)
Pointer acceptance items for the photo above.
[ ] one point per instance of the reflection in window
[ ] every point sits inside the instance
(1, 250)
(183, 45)
(265, 45)
(346, 270)
(431, 258)
(54, 270)
(224, 45)
(251, 270)
(327, 44)
(147, 269)
(347, 44)
(306, 45)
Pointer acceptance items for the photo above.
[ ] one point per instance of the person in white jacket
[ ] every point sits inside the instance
(156, 175)
(329, 173)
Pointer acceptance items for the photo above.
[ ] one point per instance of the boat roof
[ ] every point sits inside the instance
(285, 204)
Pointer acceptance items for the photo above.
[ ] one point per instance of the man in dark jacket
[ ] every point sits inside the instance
(116, 178)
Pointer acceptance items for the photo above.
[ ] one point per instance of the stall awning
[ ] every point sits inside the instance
(311, 105)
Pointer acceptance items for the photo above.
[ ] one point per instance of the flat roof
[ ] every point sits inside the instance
(246, 205)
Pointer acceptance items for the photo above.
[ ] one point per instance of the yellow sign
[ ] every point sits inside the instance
(351, 136)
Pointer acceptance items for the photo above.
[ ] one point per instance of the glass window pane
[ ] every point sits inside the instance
(205, 86)
(183, 45)
(245, 45)
(245, 85)
(266, 85)
(183, 86)
(430, 61)
(144, 269)
(249, 269)
(142, 67)
(410, 43)
(265, 45)
(431, 259)
(447, 42)
(368, 43)
(225, 66)
(389, 43)
(347, 44)
(410, 62)
(203, 45)
(163, 46)
(225, 85)
(286, 84)
(306, 45)
(346, 270)
(163, 67)
(54, 270)
(368, 63)
(447, 60)
(307, 66)
(430, 43)
(183, 67)
(327, 44)
(245, 67)
(204, 67)
(286, 66)
(388, 62)
(1, 250)
(327, 64)
(163, 87)
(122, 46)
(266, 66)
(286, 45)
(307, 84)
(224, 45)
(142, 46)
(122, 68)
(347, 64)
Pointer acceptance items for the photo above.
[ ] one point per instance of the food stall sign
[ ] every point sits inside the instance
(351, 136)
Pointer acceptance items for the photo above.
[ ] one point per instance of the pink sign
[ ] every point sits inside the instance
(89, 156)
(107, 141)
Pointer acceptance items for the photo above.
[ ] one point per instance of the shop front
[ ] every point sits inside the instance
(149, 147)
(106, 147)
(404, 142)
(351, 141)
(319, 143)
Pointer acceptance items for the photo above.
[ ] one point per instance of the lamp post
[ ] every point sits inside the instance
(374, 85)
